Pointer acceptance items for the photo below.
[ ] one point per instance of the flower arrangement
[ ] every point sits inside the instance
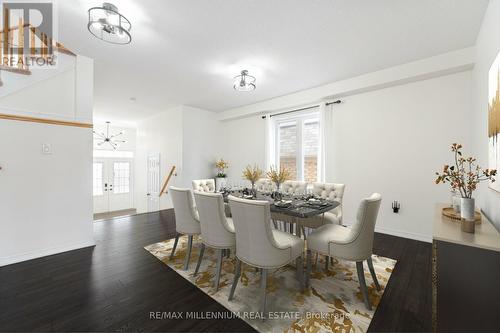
(252, 174)
(279, 176)
(221, 167)
(465, 175)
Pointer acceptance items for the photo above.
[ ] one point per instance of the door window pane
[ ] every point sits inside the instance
(288, 147)
(97, 179)
(121, 177)
(310, 143)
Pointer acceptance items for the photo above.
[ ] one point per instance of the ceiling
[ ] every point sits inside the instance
(186, 52)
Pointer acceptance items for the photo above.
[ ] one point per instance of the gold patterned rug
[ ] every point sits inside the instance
(333, 303)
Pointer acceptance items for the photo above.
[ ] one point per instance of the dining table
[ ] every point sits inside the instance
(295, 207)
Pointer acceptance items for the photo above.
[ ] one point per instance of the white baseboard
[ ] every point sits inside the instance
(405, 234)
(4, 261)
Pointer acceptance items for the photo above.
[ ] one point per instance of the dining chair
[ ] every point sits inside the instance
(260, 246)
(217, 230)
(353, 243)
(264, 185)
(204, 185)
(291, 188)
(186, 219)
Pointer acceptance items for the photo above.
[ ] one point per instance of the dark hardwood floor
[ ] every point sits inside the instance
(116, 284)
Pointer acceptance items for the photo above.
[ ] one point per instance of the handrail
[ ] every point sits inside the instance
(7, 41)
(164, 187)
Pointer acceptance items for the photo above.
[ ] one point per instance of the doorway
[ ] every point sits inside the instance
(112, 185)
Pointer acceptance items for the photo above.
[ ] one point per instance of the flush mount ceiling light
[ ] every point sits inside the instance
(103, 138)
(244, 82)
(107, 24)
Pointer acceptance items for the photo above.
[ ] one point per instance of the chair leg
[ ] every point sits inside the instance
(372, 272)
(237, 274)
(219, 267)
(175, 245)
(228, 253)
(275, 224)
(327, 260)
(362, 283)
(200, 258)
(316, 260)
(263, 285)
(300, 272)
(308, 270)
(188, 254)
(304, 232)
(331, 261)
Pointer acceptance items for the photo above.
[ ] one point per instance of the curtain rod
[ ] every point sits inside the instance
(302, 109)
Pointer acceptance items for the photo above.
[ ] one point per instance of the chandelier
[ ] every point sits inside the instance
(244, 82)
(102, 138)
(107, 24)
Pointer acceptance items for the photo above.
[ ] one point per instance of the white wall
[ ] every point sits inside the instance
(162, 134)
(46, 200)
(201, 144)
(243, 144)
(390, 140)
(487, 47)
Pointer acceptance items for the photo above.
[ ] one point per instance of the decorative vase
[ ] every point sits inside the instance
(254, 191)
(220, 183)
(467, 209)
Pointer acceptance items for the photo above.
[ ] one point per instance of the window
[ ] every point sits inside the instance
(121, 177)
(97, 179)
(297, 145)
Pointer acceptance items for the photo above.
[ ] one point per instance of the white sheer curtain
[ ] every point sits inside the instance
(325, 129)
(270, 144)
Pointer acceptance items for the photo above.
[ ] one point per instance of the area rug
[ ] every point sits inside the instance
(333, 302)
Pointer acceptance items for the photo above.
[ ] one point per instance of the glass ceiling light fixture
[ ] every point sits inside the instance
(244, 82)
(107, 24)
(103, 138)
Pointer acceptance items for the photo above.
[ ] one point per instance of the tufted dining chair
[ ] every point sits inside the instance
(289, 187)
(204, 185)
(353, 243)
(186, 219)
(217, 230)
(265, 185)
(258, 245)
(292, 187)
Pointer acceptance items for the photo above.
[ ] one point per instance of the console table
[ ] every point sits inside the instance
(465, 276)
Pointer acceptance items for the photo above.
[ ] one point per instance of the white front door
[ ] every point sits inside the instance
(112, 185)
(153, 190)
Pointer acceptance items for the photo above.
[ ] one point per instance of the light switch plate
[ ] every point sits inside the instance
(46, 149)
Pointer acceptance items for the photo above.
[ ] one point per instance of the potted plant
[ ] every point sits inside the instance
(278, 177)
(220, 179)
(464, 176)
(252, 174)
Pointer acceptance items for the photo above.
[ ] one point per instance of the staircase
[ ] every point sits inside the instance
(18, 58)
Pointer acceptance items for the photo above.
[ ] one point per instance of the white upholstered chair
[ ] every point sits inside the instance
(258, 245)
(332, 192)
(217, 230)
(353, 243)
(265, 185)
(204, 185)
(292, 187)
(186, 219)
(289, 187)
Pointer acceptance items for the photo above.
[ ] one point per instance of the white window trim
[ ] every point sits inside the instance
(299, 118)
